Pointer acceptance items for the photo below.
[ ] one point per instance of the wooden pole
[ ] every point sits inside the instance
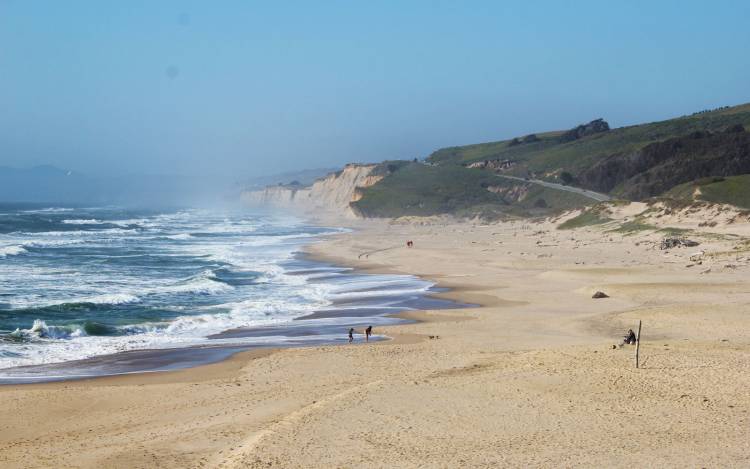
(638, 344)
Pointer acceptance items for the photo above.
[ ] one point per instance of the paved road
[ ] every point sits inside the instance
(590, 194)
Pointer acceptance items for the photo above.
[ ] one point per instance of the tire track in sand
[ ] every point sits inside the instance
(238, 453)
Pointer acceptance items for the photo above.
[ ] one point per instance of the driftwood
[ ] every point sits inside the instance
(674, 242)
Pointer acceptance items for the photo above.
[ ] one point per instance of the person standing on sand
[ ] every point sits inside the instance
(368, 333)
(351, 335)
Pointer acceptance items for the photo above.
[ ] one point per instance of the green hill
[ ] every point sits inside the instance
(633, 162)
(419, 189)
(548, 157)
(733, 190)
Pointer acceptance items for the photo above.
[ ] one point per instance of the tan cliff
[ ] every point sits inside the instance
(331, 194)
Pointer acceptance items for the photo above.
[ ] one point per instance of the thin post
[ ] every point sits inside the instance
(637, 343)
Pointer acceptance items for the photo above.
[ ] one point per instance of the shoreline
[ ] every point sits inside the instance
(212, 366)
(530, 378)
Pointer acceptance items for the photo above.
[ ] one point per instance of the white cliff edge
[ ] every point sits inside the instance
(332, 194)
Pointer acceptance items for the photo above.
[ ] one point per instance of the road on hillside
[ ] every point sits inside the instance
(590, 194)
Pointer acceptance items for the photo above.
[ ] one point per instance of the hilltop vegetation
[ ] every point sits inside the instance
(554, 154)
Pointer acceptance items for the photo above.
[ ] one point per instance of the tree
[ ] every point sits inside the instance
(566, 178)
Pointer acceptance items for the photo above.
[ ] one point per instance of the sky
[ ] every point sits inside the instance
(245, 88)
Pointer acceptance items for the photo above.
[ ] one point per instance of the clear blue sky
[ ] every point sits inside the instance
(243, 87)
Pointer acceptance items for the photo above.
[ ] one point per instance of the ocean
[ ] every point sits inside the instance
(88, 291)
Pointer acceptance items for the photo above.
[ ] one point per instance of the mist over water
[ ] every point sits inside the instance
(77, 283)
(49, 184)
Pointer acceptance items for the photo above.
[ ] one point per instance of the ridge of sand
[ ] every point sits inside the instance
(530, 381)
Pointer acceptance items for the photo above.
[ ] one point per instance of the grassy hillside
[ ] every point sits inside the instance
(634, 162)
(733, 190)
(660, 166)
(418, 189)
(549, 156)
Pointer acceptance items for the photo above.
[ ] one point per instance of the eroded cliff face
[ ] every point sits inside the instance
(331, 194)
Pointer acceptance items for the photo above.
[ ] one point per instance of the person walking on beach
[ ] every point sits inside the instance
(351, 335)
(368, 333)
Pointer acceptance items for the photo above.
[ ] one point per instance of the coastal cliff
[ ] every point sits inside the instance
(332, 194)
(704, 156)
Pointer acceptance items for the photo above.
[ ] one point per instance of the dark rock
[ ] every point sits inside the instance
(594, 127)
(522, 141)
(530, 138)
(600, 294)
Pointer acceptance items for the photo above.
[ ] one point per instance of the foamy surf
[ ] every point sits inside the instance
(98, 282)
(11, 250)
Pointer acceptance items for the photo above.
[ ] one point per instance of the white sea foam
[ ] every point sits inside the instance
(46, 243)
(108, 231)
(59, 344)
(274, 296)
(71, 343)
(108, 299)
(204, 283)
(84, 221)
(50, 209)
(11, 250)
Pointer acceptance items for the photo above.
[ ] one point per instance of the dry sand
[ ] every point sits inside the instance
(528, 380)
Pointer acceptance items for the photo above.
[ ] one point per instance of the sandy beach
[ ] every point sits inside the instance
(528, 379)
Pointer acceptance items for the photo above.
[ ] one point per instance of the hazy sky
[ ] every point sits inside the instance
(243, 87)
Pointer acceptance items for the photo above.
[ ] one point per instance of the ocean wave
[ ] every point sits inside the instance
(49, 210)
(80, 302)
(41, 331)
(228, 227)
(151, 283)
(204, 283)
(246, 313)
(48, 243)
(83, 221)
(106, 231)
(6, 251)
(377, 293)
(179, 237)
(108, 299)
(56, 344)
(142, 222)
(127, 222)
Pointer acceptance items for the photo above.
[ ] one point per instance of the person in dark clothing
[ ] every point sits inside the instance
(351, 335)
(368, 333)
(630, 338)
